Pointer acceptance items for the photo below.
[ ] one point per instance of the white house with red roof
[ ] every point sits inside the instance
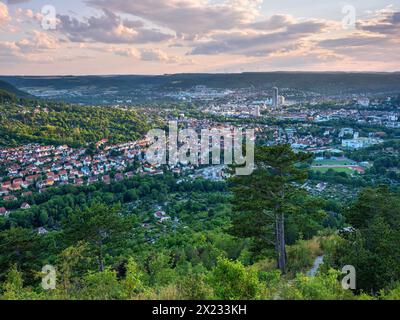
(25, 206)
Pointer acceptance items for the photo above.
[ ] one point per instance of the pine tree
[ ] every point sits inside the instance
(262, 199)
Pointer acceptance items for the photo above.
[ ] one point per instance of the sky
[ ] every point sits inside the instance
(76, 37)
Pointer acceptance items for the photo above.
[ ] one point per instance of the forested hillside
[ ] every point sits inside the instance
(321, 82)
(211, 242)
(64, 124)
(6, 88)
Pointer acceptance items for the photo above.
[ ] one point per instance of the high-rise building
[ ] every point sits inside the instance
(281, 100)
(275, 97)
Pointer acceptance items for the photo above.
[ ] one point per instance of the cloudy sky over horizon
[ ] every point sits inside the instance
(173, 36)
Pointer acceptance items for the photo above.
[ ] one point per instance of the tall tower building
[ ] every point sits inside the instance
(275, 97)
(281, 100)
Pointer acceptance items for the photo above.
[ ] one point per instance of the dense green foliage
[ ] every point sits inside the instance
(64, 124)
(10, 93)
(264, 199)
(372, 248)
(106, 243)
(216, 240)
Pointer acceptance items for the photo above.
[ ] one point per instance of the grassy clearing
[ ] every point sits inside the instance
(325, 169)
(332, 162)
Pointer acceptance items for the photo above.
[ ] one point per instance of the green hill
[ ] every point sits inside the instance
(8, 90)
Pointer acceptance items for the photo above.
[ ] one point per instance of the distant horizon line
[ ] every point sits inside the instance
(196, 73)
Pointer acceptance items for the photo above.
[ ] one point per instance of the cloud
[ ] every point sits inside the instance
(4, 15)
(162, 35)
(353, 41)
(7, 47)
(39, 41)
(188, 18)
(33, 48)
(146, 54)
(28, 14)
(386, 22)
(256, 43)
(158, 55)
(16, 1)
(108, 28)
(374, 40)
(274, 22)
(127, 52)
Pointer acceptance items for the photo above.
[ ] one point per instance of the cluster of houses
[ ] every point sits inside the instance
(300, 140)
(361, 110)
(299, 135)
(374, 117)
(34, 167)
